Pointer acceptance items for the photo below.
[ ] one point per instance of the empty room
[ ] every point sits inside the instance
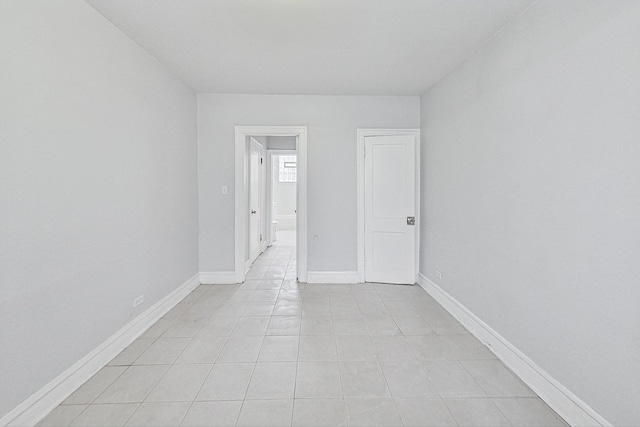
(319, 212)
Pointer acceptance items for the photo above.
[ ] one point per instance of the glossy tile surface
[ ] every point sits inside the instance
(272, 351)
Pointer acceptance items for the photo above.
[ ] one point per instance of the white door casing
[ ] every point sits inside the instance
(388, 209)
(242, 197)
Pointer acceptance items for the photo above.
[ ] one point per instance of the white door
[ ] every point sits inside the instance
(255, 198)
(390, 231)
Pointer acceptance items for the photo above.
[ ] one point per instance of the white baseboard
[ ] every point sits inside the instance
(569, 406)
(217, 277)
(36, 407)
(332, 277)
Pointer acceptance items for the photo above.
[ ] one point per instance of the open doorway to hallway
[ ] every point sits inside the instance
(271, 203)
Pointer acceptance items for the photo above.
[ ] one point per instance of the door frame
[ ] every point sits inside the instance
(361, 135)
(241, 194)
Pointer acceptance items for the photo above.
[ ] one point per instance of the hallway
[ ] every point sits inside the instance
(272, 351)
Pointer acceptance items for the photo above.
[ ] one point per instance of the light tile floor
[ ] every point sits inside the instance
(276, 352)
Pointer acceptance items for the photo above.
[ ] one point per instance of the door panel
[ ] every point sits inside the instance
(255, 196)
(389, 200)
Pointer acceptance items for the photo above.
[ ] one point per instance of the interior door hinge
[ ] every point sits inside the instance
(260, 160)
(261, 237)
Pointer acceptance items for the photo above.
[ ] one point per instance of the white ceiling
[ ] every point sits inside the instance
(326, 47)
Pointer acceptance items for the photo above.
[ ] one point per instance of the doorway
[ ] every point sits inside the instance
(245, 247)
(388, 205)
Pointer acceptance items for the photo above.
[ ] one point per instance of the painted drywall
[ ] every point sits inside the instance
(98, 187)
(531, 177)
(284, 195)
(332, 122)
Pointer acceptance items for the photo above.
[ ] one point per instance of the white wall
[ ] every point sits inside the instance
(281, 142)
(285, 198)
(98, 187)
(530, 190)
(332, 122)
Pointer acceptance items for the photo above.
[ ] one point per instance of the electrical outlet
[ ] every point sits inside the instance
(137, 301)
(438, 274)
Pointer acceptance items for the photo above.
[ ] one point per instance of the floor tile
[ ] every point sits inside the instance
(231, 309)
(279, 349)
(363, 379)
(167, 414)
(318, 380)
(258, 308)
(381, 325)
(317, 348)
(183, 328)
(132, 352)
(452, 379)
(178, 311)
(134, 385)
(228, 381)
(202, 350)
(88, 392)
(284, 325)
(218, 326)
(265, 295)
(442, 322)
(350, 326)
(372, 308)
(390, 348)
(107, 415)
(213, 414)
(62, 416)
(272, 380)
(287, 308)
(316, 325)
(476, 412)
(466, 347)
(180, 384)
(315, 307)
(158, 328)
(253, 326)
(275, 351)
(406, 378)
(319, 412)
(355, 348)
(261, 413)
(372, 412)
(495, 379)
(430, 347)
(241, 349)
(425, 412)
(413, 325)
(164, 351)
(527, 411)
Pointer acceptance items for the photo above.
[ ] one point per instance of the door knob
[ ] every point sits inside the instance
(253, 212)
(411, 220)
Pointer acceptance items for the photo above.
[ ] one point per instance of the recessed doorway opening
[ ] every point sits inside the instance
(271, 198)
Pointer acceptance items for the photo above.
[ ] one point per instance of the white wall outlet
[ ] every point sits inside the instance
(438, 274)
(137, 301)
(225, 189)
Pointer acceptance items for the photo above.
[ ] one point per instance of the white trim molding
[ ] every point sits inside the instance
(241, 133)
(566, 404)
(37, 406)
(217, 277)
(332, 277)
(361, 134)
